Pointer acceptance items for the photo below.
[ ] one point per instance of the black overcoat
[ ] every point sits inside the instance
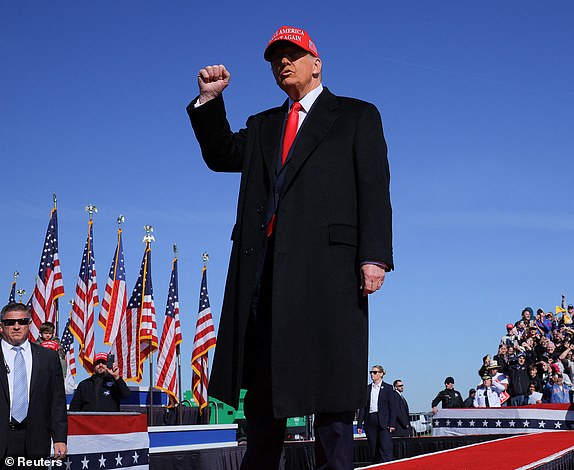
(334, 213)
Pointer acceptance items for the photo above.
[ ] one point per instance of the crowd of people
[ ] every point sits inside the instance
(534, 364)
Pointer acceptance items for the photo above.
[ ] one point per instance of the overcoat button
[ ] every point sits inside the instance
(259, 209)
(248, 251)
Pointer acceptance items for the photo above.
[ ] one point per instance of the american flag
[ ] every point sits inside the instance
(67, 351)
(29, 303)
(137, 336)
(67, 348)
(12, 298)
(166, 370)
(49, 284)
(203, 341)
(115, 298)
(148, 326)
(82, 316)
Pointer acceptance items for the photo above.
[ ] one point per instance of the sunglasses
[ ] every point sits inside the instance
(375, 372)
(13, 321)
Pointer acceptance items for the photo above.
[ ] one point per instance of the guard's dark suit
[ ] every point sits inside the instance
(403, 428)
(47, 417)
(376, 425)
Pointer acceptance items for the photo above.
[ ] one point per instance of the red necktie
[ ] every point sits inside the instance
(290, 129)
(288, 138)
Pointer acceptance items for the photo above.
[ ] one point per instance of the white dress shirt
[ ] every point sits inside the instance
(9, 355)
(374, 404)
(306, 103)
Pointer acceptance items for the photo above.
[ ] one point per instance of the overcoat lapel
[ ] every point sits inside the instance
(35, 366)
(315, 127)
(4, 377)
(271, 132)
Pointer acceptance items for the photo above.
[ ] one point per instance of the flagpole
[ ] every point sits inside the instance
(13, 289)
(90, 209)
(178, 355)
(29, 303)
(20, 293)
(56, 302)
(148, 239)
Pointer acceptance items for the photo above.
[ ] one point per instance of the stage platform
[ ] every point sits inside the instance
(299, 455)
(463, 439)
(550, 450)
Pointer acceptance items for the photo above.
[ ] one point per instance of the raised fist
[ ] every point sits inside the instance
(212, 80)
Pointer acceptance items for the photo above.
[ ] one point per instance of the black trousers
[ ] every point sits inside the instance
(265, 432)
(17, 448)
(380, 440)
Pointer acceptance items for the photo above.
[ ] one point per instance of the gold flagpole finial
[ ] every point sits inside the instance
(90, 209)
(148, 234)
(121, 219)
(16, 274)
(21, 293)
(205, 257)
(175, 252)
(55, 199)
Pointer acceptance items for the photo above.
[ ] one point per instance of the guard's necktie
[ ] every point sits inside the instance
(290, 130)
(288, 138)
(486, 398)
(20, 387)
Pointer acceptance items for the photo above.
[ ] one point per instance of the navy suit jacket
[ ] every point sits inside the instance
(403, 427)
(47, 417)
(387, 407)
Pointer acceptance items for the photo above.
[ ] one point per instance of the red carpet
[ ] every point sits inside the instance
(503, 454)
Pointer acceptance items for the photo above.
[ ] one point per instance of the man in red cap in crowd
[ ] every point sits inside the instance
(103, 390)
(311, 241)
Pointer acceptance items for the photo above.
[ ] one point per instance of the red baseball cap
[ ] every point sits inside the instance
(101, 356)
(51, 345)
(293, 35)
(509, 326)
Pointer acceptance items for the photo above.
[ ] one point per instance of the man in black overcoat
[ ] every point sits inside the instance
(312, 240)
(45, 416)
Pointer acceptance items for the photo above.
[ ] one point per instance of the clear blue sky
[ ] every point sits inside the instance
(476, 100)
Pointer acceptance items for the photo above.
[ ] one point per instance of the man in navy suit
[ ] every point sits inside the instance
(403, 428)
(379, 416)
(32, 398)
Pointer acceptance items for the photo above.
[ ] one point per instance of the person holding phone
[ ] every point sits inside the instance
(103, 390)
